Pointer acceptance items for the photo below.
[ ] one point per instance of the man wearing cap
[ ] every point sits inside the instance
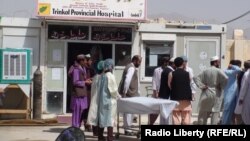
(79, 99)
(107, 103)
(212, 82)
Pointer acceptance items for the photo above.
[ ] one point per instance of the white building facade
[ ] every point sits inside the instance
(56, 42)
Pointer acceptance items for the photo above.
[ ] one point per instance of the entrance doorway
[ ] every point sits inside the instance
(199, 51)
(97, 52)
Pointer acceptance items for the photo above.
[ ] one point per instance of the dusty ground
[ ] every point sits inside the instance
(50, 133)
(42, 133)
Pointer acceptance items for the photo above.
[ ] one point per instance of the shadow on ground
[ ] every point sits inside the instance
(121, 138)
(88, 135)
(55, 130)
(29, 140)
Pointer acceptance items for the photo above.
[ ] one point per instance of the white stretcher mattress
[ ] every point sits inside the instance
(146, 105)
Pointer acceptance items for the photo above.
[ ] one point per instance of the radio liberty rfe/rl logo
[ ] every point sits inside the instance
(44, 9)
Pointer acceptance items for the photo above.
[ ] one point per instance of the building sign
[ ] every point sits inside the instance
(93, 9)
(121, 34)
(66, 32)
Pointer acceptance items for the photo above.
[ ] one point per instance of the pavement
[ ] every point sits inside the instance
(51, 132)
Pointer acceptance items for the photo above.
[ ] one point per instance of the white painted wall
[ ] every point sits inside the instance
(20, 32)
(217, 31)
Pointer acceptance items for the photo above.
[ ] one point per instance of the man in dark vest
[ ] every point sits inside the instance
(129, 87)
(160, 84)
(179, 83)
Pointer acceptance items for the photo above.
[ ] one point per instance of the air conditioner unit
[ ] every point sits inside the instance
(15, 66)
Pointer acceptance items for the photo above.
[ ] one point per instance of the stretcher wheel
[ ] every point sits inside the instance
(117, 135)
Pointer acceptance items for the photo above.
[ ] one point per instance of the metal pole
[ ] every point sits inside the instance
(37, 85)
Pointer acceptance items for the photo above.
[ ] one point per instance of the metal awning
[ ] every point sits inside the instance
(88, 21)
(158, 37)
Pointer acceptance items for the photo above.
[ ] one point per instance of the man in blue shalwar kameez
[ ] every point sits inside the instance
(230, 93)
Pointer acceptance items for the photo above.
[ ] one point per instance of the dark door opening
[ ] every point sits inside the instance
(97, 52)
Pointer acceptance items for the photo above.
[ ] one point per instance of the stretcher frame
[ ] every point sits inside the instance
(138, 134)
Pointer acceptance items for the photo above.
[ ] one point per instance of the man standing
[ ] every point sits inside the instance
(243, 104)
(95, 88)
(107, 105)
(230, 93)
(79, 101)
(156, 83)
(90, 72)
(129, 87)
(191, 73)
(179, 83)
(212, 82)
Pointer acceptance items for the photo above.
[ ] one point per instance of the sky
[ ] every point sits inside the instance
(210, 11)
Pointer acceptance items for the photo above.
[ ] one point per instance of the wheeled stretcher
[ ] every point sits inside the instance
(144, 105)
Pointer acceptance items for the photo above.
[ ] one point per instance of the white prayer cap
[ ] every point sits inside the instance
(214, 58)
(87, 55)
(80, 57)
(172, 59)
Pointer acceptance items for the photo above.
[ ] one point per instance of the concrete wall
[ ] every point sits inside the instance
(237, 49)
(27, 28)
(181, 50)
(19, 33)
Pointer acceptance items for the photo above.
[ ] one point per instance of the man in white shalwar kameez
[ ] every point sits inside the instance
(212, 82)
(243, 104)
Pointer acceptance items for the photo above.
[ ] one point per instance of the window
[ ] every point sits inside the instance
(66, 32)
(199, 51)
(121, 34)
(15, 64)
(153, 54)
(122, 55)
(55, 102)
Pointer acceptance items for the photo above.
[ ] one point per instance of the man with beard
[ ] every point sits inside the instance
(129, 87)
(212, 82)
(79, 101)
